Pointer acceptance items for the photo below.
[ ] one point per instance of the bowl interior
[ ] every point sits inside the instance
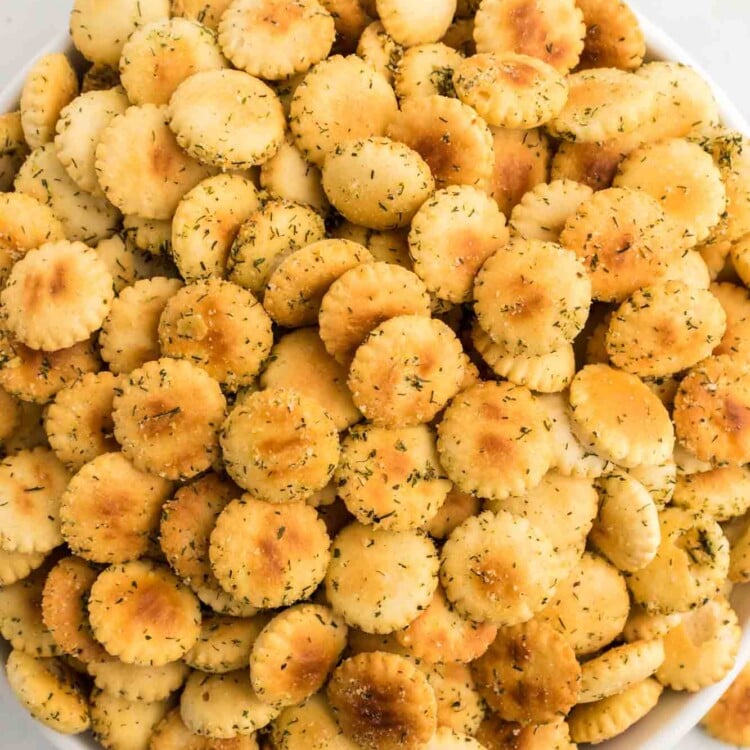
(676, 713)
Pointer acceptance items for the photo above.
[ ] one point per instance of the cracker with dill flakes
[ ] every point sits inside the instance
(100, 33)
(563, 508)
(529, 673)
(268, 235)
(665, 328)
(735, 300)
(377, 183)
(295, 653)
(511, 90)
(13, 148)
(64, 609)
(134, 682)
(603, 103)
(451, 236)
(593, 164)
(380, 50)
(227, 119)
(683, 178)
(79, 422)
(685, 103)
(446, 739)
(701, 650)
(225, 642)
(140, 166)
(129, 334)
(31, 484)
(614, 38)
(296, 288)
(128, 264)
(141, 613)
(589, 607)
(441, 634)
(731, 153)
(379, 581)
(57, 295)
(602, 720)
(626, 531)
(29, 431)
(15, 566)
(152, 236)
(49, 692)
(206, 12)
(172, 734)
(110, 509)
(491, 568)
(310, 726)
(387, 684)
(350, 18)
(493, 440)
(25, 224)
(21, 620)
(532, 297)
(79, 129)
(223, 706)
(740, 256)
(642, 625)
(120, 723)
(494, 733)
(411, 24)
(458, 506)
(273, 39)
(659, 480)
(326, 105)
(220, 327)
(288, 175)
(450, 136)
(296, 551)
(391, 478)
(406, 371)
(84, 217)
(543, 373)
(690, 565)
(207, 220)
(159, 56)
(426, 69)
(521, 161)
(50, 85)
(722, 493)
(619, 668)
(187, 521)
(167, 418)
(383, 291)
(625, 239)
(552, 30)
(460, 707)
(711, 410)
(280, 445)
(616, 415)
(299, 362)
(543, 211)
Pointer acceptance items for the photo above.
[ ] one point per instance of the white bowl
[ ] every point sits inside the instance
(677, 713)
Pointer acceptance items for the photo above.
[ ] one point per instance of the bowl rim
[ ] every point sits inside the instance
(677, 713)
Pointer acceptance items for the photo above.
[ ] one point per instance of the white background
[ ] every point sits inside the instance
(716, 33)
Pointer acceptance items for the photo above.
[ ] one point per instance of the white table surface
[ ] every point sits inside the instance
(716, 32)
